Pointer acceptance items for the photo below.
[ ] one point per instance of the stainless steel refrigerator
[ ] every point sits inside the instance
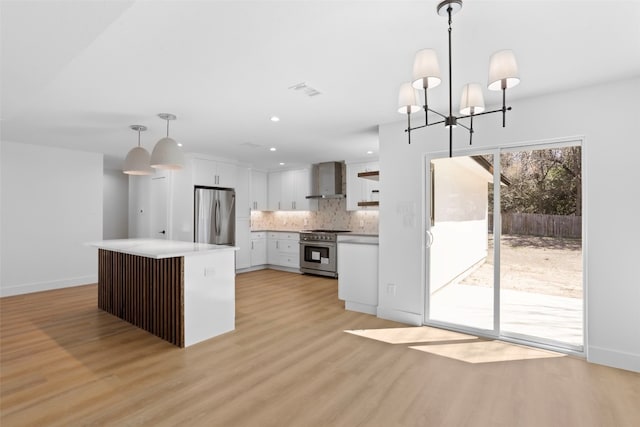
(214, 215)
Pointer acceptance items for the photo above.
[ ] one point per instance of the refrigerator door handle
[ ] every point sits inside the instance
(217, 217)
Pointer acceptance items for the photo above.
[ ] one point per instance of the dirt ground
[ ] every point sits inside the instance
(546, 265)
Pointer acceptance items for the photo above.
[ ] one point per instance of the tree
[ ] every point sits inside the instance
(545, 181)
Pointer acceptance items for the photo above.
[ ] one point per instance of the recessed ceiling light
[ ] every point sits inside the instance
(281, 163)
(369, 152)
(275, 119)
(272, 149)
(179, 144)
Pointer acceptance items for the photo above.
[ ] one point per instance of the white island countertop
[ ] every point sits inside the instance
(159, 248)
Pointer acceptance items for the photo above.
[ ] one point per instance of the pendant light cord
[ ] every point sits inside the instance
(139, 137)
(168, 128)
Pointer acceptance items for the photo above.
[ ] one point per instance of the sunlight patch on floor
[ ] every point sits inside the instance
(486, 351)
(410, 335)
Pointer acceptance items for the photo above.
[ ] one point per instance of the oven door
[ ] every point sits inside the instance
(318, 256)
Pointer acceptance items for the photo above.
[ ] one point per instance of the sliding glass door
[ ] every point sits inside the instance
(516, 274)
(461, 256)
(541, 245)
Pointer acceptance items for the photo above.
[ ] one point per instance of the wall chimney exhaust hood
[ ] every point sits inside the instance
(326, 181)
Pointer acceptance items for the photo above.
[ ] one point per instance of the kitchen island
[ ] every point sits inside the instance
(182, 292)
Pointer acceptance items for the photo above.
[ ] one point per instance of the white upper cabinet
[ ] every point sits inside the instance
(275, 191)
(213, 173)
(362, 192)
(258, 190)
(301, 189)
(288, 191)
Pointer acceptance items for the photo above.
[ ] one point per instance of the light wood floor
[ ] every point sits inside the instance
(288, 363)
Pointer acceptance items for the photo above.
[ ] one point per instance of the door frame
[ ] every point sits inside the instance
(496, 333)
(426, 224)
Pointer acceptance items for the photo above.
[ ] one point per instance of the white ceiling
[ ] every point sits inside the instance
(76, 74)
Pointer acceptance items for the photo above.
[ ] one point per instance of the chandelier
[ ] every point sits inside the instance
(503, 74)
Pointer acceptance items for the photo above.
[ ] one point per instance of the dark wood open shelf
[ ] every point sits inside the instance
(372, 175)
(373, 203)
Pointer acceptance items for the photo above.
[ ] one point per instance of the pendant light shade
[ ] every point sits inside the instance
(137, 160)
(407, 99)
(426, 70)
(472, 101)
(166, 154)
(503, 68)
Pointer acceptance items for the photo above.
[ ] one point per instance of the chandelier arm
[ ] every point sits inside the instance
(424, 126)
(471, 131)
(499, 110)
(464, 126)
(450, 141)
(440, 114)
(409, 126)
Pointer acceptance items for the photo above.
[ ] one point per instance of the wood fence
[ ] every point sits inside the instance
(540, 225)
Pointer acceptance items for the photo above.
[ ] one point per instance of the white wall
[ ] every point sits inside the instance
(139, 206)
(115, 202)
(51, 206)
(607, 118)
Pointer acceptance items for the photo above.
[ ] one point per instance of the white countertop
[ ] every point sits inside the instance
(360, 240)
(158, 248)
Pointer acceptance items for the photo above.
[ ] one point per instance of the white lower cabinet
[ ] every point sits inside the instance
(358, 274)
(283, 249)
(258, 248)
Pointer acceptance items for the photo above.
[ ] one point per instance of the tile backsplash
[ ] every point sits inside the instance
(331, 214)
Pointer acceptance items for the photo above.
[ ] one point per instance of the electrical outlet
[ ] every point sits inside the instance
(362, 223)
(306, 221)
(391, 289)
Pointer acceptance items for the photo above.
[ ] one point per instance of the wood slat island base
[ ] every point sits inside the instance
(146, 292)
(181, 292)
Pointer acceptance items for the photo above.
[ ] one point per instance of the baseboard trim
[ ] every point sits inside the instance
(268, 267)
(399, 316)
(360, 308)
(29, 288)
(615, 359)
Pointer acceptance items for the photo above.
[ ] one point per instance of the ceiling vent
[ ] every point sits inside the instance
(304, 88)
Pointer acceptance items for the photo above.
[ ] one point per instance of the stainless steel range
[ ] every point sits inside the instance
(318, 252)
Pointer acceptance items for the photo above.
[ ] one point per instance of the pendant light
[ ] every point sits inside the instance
(166, 154)
(137, 160)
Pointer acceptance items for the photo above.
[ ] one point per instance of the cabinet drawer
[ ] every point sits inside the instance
(289, 260)
(258, 235)
(289, 246)
(281, 235)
